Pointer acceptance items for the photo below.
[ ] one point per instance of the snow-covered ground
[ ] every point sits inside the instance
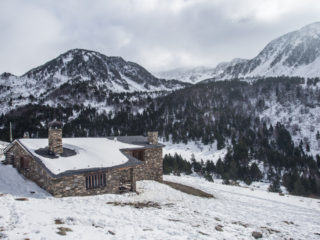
(200, 151)
(238, 210)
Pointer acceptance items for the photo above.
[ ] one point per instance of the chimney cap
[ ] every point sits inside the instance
(55, 125)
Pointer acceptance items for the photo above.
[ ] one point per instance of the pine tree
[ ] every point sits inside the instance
(318, 135)
(318, 160)
(255, 172)
(233, 171)
(220, 167)
(308, 147)
(275, 185)
(298, 188)
(208, 177)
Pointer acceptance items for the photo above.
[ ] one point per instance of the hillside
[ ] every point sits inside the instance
(160, 213)
(78, 76)
(295, 54)
(272, 122)
(198, 74)
(267, 129)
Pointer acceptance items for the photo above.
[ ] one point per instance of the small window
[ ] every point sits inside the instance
(96, 181)
(138, 154)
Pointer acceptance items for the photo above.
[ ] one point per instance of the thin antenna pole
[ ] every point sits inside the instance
(11, 132)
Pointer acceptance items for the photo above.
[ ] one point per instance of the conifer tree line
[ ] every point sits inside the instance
(225, 113)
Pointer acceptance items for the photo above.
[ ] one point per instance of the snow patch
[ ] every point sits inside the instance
(200, 151)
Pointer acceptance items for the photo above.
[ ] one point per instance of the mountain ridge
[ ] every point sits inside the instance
(294, 54)
(79, 74)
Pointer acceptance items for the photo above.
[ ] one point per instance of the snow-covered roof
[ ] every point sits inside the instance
(91, 153)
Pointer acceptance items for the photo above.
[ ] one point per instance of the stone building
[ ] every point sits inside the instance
(87, 166)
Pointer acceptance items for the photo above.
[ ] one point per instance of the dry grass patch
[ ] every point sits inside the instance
(58, 221)
(138, 205)
(202, 233)
(63, 230)
(270, 230)
(188, 189)
(245, 225)
(219, 228)
(286, 222)
(174, 220)
(22, 199)
(147, 229)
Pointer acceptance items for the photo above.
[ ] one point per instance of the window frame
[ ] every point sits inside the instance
(138, 154)
(94, 181)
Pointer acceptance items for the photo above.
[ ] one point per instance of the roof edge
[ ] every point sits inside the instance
(130, 163)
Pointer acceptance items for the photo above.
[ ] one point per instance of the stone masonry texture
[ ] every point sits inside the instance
(153, 137)
(55, 141)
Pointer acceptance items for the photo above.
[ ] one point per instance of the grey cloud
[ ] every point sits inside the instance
(158, 34)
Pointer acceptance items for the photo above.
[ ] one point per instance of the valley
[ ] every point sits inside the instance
(256, 125)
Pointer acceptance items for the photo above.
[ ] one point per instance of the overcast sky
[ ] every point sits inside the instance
(157, 34)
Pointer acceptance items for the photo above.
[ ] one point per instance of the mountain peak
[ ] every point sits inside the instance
(293, 54)
(81, 75)
(6, 75)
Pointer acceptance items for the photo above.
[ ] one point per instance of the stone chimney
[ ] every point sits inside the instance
(153, 137)
(55, 137)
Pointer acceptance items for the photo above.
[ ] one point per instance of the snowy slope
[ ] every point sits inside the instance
(198, 74)
(191, 75)
(239, 211)
(293, 54)
(303, 122)
(197, 149)
(76, 75)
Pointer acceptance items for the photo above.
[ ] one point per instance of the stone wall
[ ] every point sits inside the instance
(152, 167)
(75, 185)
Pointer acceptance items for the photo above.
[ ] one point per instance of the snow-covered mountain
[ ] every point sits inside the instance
(86, 72)
(114, 73)
(198, 74)
(293, 54)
